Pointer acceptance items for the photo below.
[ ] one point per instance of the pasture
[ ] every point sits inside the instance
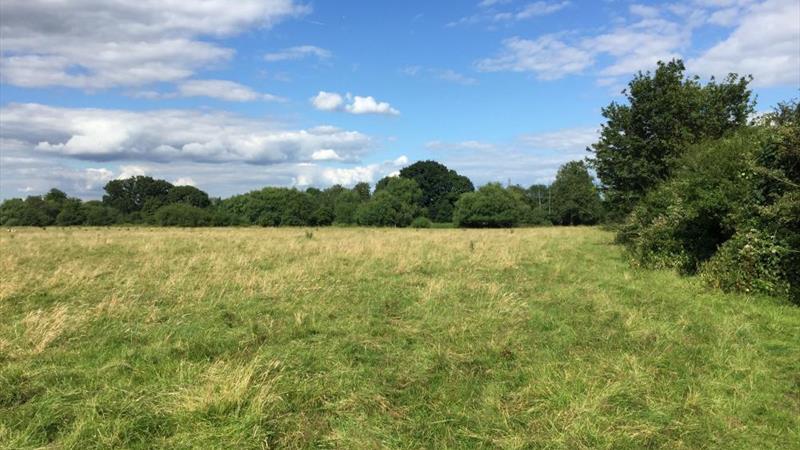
(380, 338)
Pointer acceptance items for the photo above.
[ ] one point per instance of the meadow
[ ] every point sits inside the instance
(380, 338)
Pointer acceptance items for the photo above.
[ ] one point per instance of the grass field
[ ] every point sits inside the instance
(371, 338)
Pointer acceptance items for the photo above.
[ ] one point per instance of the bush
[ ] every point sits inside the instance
(182, 215)
(749, 262)
(681, 223)
(421, 222)
(491, 206)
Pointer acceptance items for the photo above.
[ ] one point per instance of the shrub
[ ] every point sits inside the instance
(491, 206)
(421, 222)
(182, 215)
(751, 262)
(681, 223)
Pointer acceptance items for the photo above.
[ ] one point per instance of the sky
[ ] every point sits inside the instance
(234, 96)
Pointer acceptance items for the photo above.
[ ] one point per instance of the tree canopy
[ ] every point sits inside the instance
(575, 199)
(440, 187)
(665, 113)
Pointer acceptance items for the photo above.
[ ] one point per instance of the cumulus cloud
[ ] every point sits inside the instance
(332, 101)
(766, 44)
(97, 44)
(368, 105)
(298, 52)
(327, 101)
(23, 173)
(326, 155)
(170, 135)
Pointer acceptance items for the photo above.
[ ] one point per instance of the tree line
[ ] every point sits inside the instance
(424, 193)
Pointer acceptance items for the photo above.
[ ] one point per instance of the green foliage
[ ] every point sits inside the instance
(71, 213)
(182, 215)
(345, 207)
(131, 194)
(421, 222)
(751, 261)
(575, 199)
(395, 205)
(98, 214)
(440, 187)
(731, 210)
(665, 114)
(189, 195)
(11, 212)
(681, 223)
(491, 206)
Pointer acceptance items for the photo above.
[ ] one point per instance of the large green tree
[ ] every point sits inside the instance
(440, 187)
(575, 199)
(131, 194)
(665, 113)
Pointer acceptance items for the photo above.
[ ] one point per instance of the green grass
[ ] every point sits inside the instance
(365, 338)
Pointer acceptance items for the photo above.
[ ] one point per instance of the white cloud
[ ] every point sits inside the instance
(638, 46)
(22, 173)
(644, 11)
(539, 9)
(327, 101)
(332, 101)
(547, 57)
(490, 14)
(568, 140)
(299, 52)
(326, 155)
(368, 105)
(97, 44)
(184, 181)
(223, 90)
(352, 175)
(766, 44)
(633, 47)
(131, 171)
(724, 17)
(170, 135)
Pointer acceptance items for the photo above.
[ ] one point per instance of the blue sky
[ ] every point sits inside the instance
(233, 96)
